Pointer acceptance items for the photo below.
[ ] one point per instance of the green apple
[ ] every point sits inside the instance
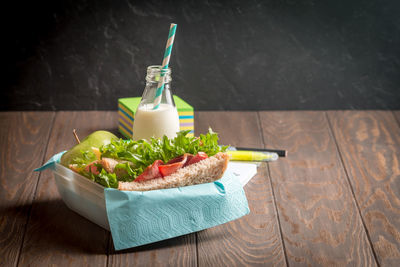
(96, 139)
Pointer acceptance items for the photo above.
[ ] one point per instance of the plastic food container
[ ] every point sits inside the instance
(82, 195)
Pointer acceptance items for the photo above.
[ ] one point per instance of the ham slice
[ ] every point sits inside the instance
(196, 158)
(108, 164)
(150, 172)
(92, 168)
(173, 165)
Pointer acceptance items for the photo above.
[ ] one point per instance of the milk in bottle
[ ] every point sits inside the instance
(164, 120)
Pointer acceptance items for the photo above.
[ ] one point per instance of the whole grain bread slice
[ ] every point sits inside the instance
(205, 171)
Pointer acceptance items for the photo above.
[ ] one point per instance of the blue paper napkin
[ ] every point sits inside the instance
(50, 162)
(138, 218)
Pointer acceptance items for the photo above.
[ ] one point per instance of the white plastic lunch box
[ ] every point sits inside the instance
(82, 195)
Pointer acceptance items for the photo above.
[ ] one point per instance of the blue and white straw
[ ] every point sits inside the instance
(164, 67)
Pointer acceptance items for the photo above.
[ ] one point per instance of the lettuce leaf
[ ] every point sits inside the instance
(85, 158)
(125, 171)
(107, 179)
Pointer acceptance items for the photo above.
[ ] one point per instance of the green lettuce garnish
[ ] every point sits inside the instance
(137, 155)
(104, 178)
(126, 172)
(85, 158)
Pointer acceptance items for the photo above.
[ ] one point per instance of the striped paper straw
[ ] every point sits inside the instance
(164, 67)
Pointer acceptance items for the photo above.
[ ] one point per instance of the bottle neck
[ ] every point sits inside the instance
(153, 78)
(156, 73)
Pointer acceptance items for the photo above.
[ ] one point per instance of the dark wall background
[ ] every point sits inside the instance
(234, 55)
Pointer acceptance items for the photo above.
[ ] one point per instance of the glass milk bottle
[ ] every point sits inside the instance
(164, 120)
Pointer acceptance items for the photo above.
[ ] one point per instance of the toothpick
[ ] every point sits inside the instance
(76, 136)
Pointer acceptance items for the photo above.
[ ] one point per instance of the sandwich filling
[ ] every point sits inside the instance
(142, 160)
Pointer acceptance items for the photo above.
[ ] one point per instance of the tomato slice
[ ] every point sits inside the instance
(150, 172)
(198, 157)
(159, 169)
(173, 165)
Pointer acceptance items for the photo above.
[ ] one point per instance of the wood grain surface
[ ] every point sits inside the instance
(396, 113)
(178, 251)
(23, 140)
(255, 238)
(369, 142)
(334, 201)
(320, 222)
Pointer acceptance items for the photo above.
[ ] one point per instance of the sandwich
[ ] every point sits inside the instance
(155, 164)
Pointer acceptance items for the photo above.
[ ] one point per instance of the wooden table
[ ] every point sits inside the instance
(335, 201)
